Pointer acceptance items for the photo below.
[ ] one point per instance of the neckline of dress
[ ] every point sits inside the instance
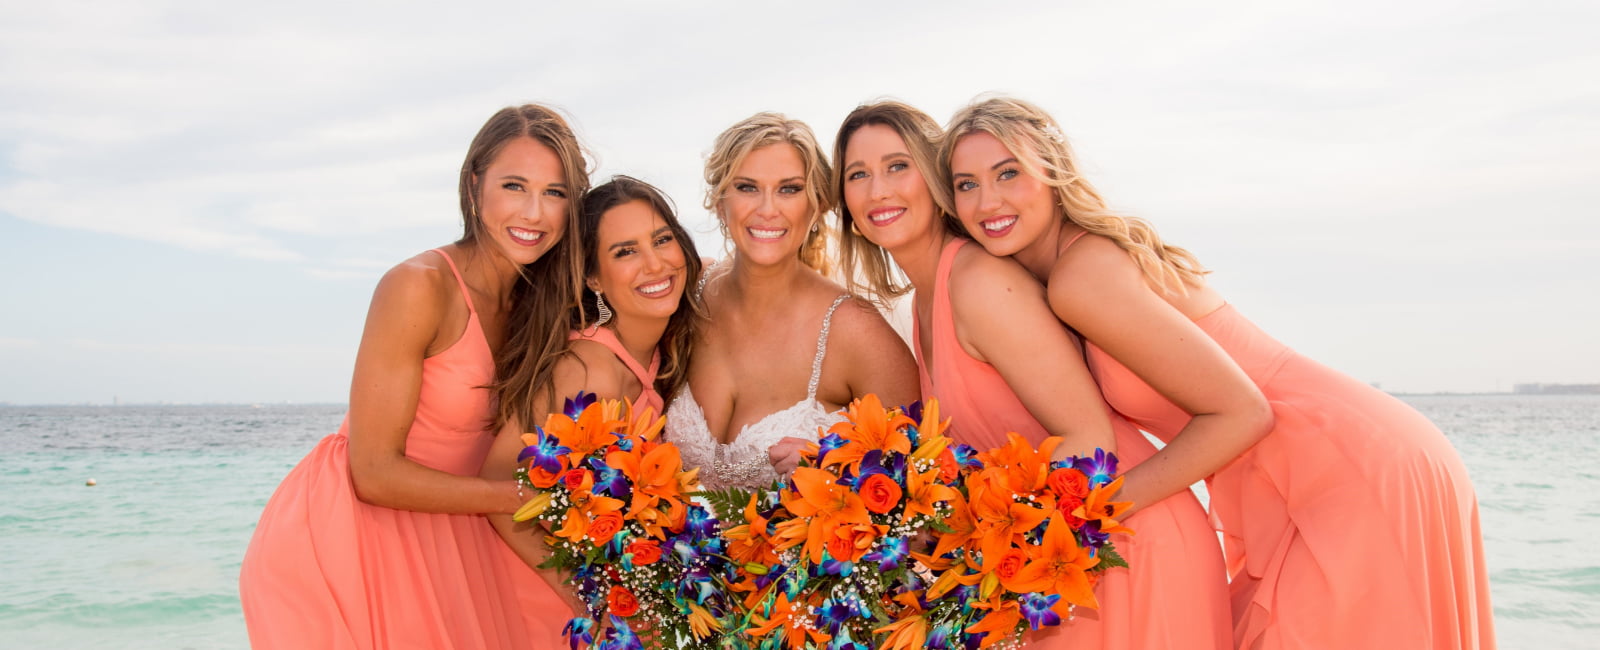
(705, 427)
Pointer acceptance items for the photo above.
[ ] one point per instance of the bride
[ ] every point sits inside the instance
(784, 347)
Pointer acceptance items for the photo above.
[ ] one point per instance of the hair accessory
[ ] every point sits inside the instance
(1053, 133)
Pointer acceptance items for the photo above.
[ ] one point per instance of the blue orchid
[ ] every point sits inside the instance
(832, 567)
(1090, 536)
(835, 612)
(574, 406)
(1036, 608)
(619, 636)
(546, 454)
(1100, 468)
(889, 553)
(826, 444)
(877, 461)
(609, 481)
(579, 632)
(966, 457)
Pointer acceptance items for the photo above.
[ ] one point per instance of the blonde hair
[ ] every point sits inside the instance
(867, 268)
(760, 130)
(1023, 127)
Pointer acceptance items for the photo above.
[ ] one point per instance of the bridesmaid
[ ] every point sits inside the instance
(633, 345)
(375, 539)
(1349, 520)
(968, 309)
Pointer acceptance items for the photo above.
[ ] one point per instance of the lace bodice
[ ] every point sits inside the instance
(744, 462)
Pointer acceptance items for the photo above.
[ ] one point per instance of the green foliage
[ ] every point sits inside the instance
(1109, 559)
(727, 504)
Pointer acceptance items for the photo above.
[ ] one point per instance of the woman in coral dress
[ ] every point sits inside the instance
(968, 309)
(376, 539)
(629, 336)
(1349, 520)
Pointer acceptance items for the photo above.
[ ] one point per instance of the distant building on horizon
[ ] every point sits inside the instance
(1555, 389)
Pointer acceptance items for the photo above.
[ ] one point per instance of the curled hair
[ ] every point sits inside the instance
(867, 268)
(760, 130)
(678, 340)
(1033, 137)
(544, 290)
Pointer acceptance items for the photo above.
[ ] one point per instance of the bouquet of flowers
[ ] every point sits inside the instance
(1008, 539)
(615, 499)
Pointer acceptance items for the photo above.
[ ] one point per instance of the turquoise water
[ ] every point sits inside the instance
(149, 557)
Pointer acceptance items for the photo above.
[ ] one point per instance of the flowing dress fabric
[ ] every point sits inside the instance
(1174, 593)
(744, 462)
(325, 570)
(1351, 525)
(648, 398)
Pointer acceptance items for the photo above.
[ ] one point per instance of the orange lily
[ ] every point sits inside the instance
(586, 507)
(592, 430)
(869, 427)
(748, 542)
(923, 491)
(1000, 623)
(906, 633)
(1001, 520)
(795, 624)
(825, 504)
(1061, 566)
(1026, 468)
(654, 470)
(962, 527)
(1099, 507)
(931, 432)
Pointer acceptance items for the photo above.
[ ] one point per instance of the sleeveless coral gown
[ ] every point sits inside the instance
(648, 398)
(325, 570)
(1174, 593)
(1353, 524)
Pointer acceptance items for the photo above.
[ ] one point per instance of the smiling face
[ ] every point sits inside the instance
(888, 198)
(766, 208)
(523, 200)
(640, 266)
(1001, 205)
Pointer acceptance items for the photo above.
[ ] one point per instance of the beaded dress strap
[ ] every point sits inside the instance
(822, 347)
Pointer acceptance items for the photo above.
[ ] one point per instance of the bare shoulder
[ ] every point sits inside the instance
(1091, 259)
(982, 282)
(422, 282)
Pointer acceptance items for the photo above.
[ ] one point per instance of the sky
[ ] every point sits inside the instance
(196, 199)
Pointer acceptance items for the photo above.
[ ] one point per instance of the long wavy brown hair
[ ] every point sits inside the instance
(1027, 129)
(758, 131)
(677, 342)
(867, 268)
(545, 290)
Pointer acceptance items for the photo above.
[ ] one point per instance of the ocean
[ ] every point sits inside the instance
(149, 557)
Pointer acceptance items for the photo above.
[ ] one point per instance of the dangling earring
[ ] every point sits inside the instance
(600, 305)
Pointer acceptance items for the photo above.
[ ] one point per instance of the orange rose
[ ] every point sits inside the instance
(622, 602)
(1065, 505)
(604, 527)
(1066, 481)
(851, 542)
(1011, 564)
(949, 469)
(542, 479)
(577, 479)
(880, 493)
(644, 551)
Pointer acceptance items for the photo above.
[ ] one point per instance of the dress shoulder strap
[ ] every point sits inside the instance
(1074, 240)
(822, 346)
(605, 336)
(460, 282)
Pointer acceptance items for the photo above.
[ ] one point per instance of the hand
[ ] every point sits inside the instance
(785, 455)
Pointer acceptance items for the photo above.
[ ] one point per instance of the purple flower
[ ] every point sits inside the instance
(891, 464)
(1100, 468)
(546, 454)
(619, 637)
(608, 480)
(889, 553)
(835, 612)
(966, 456)
(826, 444)
(1091, 537)
(913, 410)
(832, 567)
(579, 632)
(1036, 608)
(574, 406)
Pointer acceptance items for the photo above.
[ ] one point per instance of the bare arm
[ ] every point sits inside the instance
(1003, 318)
(405, 317)
(1099, 290)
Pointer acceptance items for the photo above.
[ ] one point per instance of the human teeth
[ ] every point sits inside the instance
(885, 216)
(657, 287)
(526, 235)
(999, 224)
(763, 233)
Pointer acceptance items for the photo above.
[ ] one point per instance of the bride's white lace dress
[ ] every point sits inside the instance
(744, 462)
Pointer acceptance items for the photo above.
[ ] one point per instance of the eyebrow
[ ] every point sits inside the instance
(1008, 161)
(633, 242)
(887, 156)
(791, 179)
(514, 177)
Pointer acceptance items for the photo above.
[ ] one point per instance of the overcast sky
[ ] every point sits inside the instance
(196, 199)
